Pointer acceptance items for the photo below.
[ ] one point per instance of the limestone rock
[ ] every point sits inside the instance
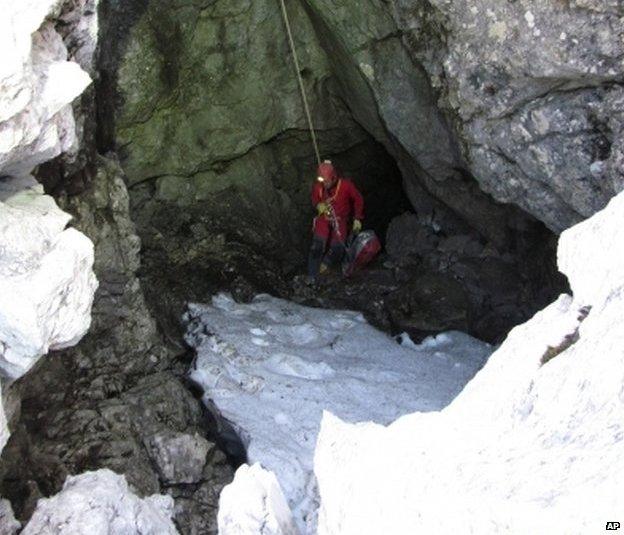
(591, 256)
(180, 458)
(37, 88)
(46, 278)
(101, 502)
(535, 88)
(254, 503)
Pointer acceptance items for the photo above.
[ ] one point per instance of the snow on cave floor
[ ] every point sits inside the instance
(272, 367)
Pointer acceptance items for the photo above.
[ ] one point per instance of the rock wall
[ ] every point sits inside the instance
(524, 96)
(534, 92)
(534, 443)
(46, 278)
(209, 124)
(116, 400)
(477, 103)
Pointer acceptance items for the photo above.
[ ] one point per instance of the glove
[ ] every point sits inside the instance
(357, 226)
(322, 208)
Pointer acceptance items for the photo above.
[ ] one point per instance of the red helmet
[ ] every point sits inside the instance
(327, 172)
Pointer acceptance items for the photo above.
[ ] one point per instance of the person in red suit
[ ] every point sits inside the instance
(340, 208)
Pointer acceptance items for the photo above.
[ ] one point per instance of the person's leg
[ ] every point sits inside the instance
(337, 244)
(317, 249)
(316, 256)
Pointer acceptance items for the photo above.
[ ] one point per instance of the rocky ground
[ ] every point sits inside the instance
(426, 282)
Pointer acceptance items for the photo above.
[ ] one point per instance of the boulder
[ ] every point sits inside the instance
(180, 458)
(46, 277)
(100, 502)
(254, 503)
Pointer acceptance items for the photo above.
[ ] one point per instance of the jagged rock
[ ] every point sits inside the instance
(196, 508)
(37, 88)
(46, 278)
(180, 458)
(8, 524)
(254, 503)
(407, 238)
(100, 502)
(547, 449)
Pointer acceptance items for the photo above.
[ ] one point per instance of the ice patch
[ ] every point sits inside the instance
(313, 360)
(294, 366)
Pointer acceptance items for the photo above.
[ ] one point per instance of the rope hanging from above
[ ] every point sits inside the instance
(306, 107)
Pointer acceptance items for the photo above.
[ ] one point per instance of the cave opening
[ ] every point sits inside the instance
(219, 168)
(215, 166)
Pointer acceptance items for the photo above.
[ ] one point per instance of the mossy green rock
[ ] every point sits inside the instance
(204, 84)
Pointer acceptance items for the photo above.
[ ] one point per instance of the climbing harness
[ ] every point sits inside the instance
(333, 219)
(300, 80)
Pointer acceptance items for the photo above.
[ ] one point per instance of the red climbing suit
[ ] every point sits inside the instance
(345, 200)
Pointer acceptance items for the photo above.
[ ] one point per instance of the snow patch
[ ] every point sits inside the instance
(313, 360)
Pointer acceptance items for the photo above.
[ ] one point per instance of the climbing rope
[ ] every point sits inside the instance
(300, 80)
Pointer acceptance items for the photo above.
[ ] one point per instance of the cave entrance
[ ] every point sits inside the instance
(219, 168)
(377, 176)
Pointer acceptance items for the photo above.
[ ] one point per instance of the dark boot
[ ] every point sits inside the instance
(316, 256)
(335, 254)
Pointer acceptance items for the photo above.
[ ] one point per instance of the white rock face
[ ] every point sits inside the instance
(254, 504)
(100, 503)
(528, 447)
(46, 278)
(37, 86)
